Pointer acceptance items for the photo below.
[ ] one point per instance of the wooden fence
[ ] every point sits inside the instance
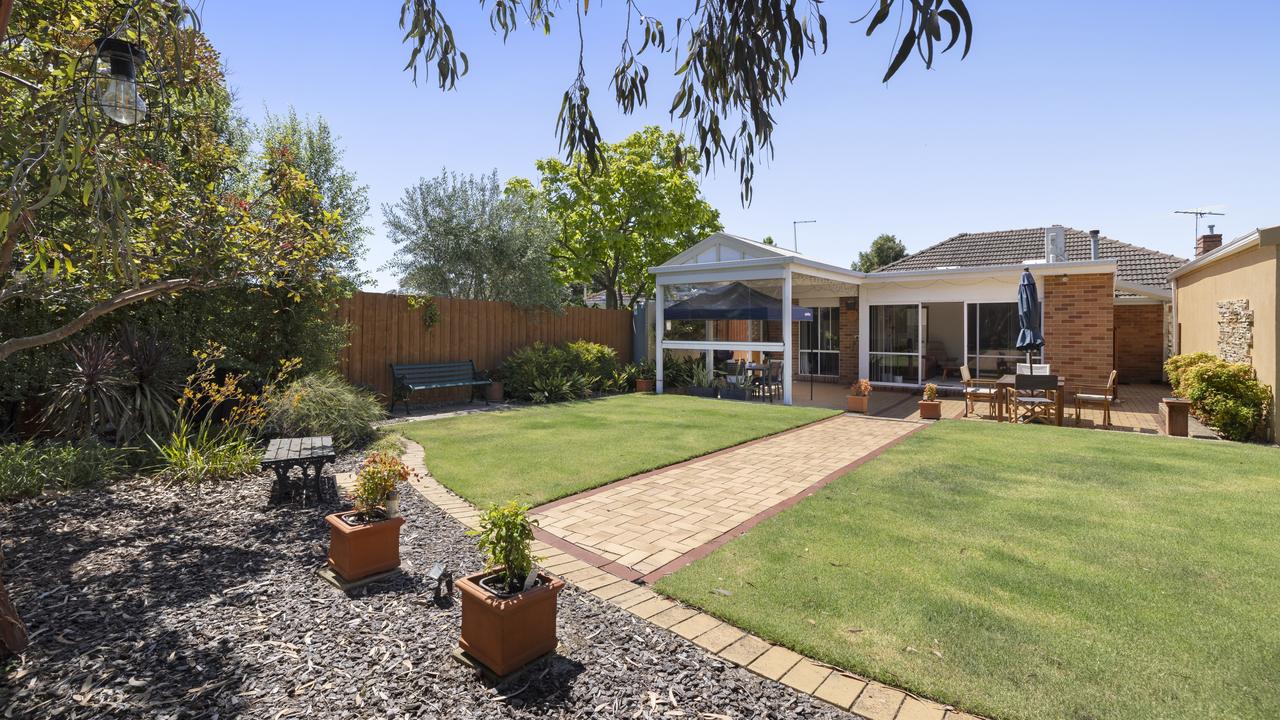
(385, 330)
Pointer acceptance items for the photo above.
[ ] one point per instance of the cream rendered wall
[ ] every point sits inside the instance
(1252, 275)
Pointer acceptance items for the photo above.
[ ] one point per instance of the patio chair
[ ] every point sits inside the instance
(770, 384)
(1032, 369)
(735, 372)
(976, 391)
(1035, 397)
(1097, 396)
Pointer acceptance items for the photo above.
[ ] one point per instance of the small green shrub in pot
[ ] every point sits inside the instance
(324, 404)
(376, 482)
(505, 540)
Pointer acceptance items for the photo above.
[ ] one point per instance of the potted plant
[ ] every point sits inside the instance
(646, 374)
(365, 540)
(508, 609)
(930, 405)
(730, 391)
(859, 396)
(700, 383)
(493, 392)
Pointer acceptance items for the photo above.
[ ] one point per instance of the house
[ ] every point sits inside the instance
(1105, 305)
(1224, 302)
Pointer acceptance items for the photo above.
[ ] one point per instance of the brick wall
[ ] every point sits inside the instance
(1139, 353)
(848, 342)
(1078, 327)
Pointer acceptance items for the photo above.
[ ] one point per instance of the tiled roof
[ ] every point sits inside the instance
(1134, 264)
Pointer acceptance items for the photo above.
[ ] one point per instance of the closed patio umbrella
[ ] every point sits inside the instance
(1029, 337)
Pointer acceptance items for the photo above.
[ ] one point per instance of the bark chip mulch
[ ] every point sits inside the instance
(151, 601)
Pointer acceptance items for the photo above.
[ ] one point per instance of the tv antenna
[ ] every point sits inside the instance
(795, 243)
(1199, 214)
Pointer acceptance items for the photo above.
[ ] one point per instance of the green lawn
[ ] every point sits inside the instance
(1029, 572)
(538, 454)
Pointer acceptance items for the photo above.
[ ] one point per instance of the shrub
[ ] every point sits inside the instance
(324, 404)
(1227, 397)
(28, 469)
(930, 392)
(551, 373)
(378, 478)
(679, 371)
(646, 370)
(1177, 366)
(506, 534)
(150, 388)
(215, 424)
(861, 388)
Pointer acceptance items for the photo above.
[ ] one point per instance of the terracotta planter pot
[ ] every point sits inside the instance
(643, 385)
(493, 391)
(930, 409)
(357, 551)
(858, 403)
(506, 633)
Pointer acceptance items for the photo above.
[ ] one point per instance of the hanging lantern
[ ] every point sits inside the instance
(117, 93)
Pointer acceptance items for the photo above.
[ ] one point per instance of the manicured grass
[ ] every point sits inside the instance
(1029, 572)
(538, 454)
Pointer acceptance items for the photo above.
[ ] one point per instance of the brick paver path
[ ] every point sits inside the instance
(648, 521)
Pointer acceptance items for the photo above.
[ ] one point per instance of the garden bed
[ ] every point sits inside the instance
(152, 601)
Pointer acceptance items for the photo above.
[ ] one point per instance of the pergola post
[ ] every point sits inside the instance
(661, 325)
(786, 335)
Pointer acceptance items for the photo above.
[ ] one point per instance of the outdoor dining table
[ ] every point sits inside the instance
(1005, 387)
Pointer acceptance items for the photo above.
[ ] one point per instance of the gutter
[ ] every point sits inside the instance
(1253, 238)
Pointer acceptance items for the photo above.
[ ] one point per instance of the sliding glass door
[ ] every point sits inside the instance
(820, 343)
(992, 332)
(894, 347)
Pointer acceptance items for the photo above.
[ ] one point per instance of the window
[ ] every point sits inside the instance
(993, 332)
(820, 343)
(895, 344)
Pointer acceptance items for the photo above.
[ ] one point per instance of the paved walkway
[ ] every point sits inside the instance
(864, 697)
(648, 522)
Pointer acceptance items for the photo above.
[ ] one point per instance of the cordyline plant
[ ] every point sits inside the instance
(96, 216)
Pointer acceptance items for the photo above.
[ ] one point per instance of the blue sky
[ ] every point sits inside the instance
(1106, 115)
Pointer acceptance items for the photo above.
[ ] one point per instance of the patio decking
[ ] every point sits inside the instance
(1137, 409)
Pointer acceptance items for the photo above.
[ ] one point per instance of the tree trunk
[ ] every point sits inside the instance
(13, 634)
(6, 7)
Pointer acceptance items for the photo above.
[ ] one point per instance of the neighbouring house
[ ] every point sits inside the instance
(1105, 305)
(1224, 302)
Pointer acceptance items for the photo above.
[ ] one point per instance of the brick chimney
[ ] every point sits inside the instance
(1208, 242)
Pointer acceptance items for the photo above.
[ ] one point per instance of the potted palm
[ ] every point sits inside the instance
(509, 608)
(859, 396)
(365, 540)
(930, 405)
(646, 374)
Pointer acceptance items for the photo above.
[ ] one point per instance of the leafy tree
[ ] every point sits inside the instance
(97, 216)
(768, 240)
(641, 208)
(463, 236)
(317, 154)
(884, 250)
(733, 68)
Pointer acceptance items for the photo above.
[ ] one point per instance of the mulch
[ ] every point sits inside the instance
(145, 600)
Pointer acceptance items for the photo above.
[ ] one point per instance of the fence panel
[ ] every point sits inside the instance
(385, 330)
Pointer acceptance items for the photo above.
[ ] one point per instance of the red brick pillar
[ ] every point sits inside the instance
(848, 340)
(1079, 327)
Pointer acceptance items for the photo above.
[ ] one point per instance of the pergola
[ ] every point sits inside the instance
(729, 277)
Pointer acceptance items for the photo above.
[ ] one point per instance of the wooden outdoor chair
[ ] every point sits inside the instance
(978, 391)
(1097, 396)
(770, 384)
(1035, 397)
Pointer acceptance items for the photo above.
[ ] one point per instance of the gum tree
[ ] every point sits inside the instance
(735, 60)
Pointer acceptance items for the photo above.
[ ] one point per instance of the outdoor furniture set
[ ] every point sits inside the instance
(1033, 394)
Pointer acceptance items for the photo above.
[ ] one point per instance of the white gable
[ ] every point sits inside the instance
(723, 247)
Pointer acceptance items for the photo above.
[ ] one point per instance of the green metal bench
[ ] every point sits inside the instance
(406, 379)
